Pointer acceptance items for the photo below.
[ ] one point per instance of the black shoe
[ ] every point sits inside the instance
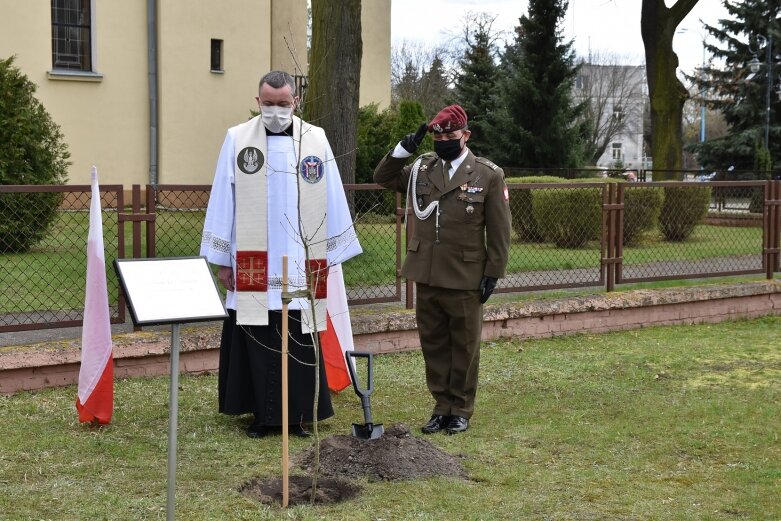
(435, 424)
(299, 430)
(457, 424)
(257, 431)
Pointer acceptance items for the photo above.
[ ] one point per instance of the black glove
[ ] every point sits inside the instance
(411, 142)
(487, 286)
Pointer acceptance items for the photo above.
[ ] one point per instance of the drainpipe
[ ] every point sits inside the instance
(151, 30)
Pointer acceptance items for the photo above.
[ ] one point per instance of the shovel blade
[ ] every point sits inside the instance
(368, 431)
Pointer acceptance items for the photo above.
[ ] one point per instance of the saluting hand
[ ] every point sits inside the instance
(411, 142)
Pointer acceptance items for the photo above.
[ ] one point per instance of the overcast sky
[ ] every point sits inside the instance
(611, 26)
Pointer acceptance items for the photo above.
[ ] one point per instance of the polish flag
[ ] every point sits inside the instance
(95, 402)
(338, 335)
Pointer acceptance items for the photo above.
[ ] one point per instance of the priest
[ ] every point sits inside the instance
(276, 192)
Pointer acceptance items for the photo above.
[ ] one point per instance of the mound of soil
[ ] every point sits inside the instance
(395, 456)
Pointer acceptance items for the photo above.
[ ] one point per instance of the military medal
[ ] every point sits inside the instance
(470, 209)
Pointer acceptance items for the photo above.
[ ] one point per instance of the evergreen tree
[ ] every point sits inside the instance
(537, 126)
(731, 89)
(32, 152)
(475, 86)
(434, 84)
(410, 116)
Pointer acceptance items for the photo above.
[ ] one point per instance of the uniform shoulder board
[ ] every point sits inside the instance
(487, 162)
(428, 156)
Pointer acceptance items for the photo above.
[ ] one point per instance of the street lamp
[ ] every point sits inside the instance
(755, 65)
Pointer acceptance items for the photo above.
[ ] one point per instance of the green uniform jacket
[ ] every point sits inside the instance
(474, 220)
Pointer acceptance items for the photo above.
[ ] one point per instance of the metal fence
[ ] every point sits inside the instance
(43, 254)
(565, 235)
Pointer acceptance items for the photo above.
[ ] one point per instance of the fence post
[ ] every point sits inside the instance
(151, 208)
(612, 221)
(771, 226)
(136, 209)
(121, 250)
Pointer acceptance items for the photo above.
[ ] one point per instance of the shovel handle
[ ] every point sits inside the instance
(363, 393)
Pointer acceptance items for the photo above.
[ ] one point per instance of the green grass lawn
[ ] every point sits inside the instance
(667, 423)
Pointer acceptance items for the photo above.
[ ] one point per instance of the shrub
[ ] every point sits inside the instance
(522, 211)
(684, 207)
(568, 217)
(642, 207)
(32, 152)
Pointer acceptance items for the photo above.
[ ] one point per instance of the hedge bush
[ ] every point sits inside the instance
(32, 152)
(642, 207)
(684, 207)
(524, 223)
(569, 217)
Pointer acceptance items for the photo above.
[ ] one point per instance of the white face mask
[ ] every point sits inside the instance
(276, 118)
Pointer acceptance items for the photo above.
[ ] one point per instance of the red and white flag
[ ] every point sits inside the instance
(95, 401)
(337, 338)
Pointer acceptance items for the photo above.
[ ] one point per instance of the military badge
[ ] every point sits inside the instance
(311, 169)
(250, 160)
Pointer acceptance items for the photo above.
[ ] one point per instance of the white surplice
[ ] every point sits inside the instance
(219, 236)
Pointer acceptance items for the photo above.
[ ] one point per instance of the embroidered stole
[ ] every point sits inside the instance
(251, 273)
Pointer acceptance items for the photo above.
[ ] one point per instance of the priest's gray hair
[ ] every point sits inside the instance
(278, 79)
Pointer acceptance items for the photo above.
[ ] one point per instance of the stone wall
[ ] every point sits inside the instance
(38, 366)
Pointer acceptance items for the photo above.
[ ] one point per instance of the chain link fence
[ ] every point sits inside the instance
(43, 254)
(565, 234)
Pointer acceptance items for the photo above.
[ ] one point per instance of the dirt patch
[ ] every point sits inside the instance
(395, 456)
(329, 490)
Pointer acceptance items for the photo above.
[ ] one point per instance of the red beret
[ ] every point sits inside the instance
(450, 118)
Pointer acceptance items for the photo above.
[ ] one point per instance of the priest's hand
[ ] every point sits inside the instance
(487, 285)
(411, 142)
(225, 276)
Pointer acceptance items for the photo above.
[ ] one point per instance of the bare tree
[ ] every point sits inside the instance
(657, 25)
(421, 73)
(614, 96)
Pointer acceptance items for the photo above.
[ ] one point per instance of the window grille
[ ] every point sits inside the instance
(216, 55)
(72, 35)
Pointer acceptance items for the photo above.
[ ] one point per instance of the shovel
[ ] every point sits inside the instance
(369, 430)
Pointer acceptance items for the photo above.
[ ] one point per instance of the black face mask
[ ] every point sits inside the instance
(448, 150)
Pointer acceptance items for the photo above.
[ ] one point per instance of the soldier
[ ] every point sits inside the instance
(457, 251)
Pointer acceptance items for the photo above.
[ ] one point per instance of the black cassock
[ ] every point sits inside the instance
(250, 375)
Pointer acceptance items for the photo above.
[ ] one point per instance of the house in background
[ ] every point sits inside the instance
(616, 96)
(145, 90)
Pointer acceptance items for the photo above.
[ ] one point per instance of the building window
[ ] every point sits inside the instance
(618, 113)
(617, 151)
(302, 83)
(216, 56)
(581, 82)
(72, 35)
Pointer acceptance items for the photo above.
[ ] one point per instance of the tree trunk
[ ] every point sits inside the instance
(335, 77)
(667, 94)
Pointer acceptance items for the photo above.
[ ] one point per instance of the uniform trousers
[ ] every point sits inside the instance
(450, 323)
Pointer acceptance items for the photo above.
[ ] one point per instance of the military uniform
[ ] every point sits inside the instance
(447, 256)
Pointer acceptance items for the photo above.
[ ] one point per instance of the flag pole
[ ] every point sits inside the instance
(285, 301)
